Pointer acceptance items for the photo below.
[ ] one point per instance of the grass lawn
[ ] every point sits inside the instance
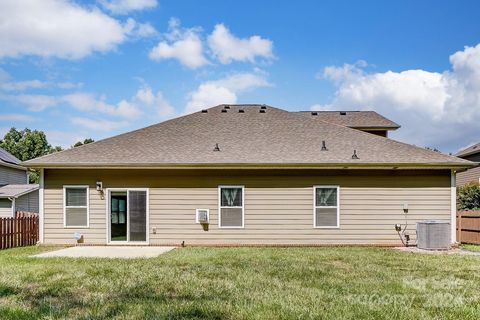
(471, 247)
(242, 283)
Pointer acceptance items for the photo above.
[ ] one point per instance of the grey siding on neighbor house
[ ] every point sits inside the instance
(472, 175)
(12, 176)
(5, 208)
(27, 202)
(278, 204)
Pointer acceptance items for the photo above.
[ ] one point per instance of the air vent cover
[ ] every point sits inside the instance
(433, 235)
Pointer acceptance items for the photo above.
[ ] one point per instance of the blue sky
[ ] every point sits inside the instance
(78, 69)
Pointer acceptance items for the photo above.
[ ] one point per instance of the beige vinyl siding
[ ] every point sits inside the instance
(472, 175)
(5, 208)
(28, 202)
(12, 176)
(278, 204)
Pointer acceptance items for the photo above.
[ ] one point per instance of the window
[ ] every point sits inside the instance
(75, 206)
(231, 207)
(326, 207)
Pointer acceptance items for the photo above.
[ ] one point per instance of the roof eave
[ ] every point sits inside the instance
(11, 165)
(445, 165)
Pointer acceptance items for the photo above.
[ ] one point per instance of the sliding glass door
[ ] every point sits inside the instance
(127, 215)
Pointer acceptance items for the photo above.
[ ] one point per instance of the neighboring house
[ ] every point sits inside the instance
(259, 175)
(15, 192)
(472, 175)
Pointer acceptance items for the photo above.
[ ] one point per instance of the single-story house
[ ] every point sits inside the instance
(471, 153)
(246, 175)
(16, 194)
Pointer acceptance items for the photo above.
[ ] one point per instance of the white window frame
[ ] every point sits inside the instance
(196, 214)
(315, 206)
(220, 206)
(65, 206)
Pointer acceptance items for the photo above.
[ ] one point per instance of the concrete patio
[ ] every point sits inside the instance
(122, 252)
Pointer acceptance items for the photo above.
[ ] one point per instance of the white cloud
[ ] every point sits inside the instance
(184, 45)
(98, 124)
(63, 138)
(225, 90)
(89, 102)
(34, 102)
(57, 28)
(157, 102)
(7, 83)
(226, 47)
(144, 101)
(434, 109)
(135, 29)
(127, 6)
(16, 117)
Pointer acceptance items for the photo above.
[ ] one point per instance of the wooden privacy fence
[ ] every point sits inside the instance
(18, 232)
(468, 227)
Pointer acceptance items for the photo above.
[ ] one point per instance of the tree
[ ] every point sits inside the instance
(80, 143)
(27, 144)
(468, 196)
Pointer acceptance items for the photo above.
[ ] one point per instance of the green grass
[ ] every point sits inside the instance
(471, 247)
(242, 283)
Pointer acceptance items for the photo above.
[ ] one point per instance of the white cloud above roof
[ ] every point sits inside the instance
(61, 29)
(448, 101)
(127, 6)
(224, 90)
(187, 45)
(184, 45)
(226, 47)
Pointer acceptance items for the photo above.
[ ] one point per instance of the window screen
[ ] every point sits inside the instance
(231, 207)
(326, 207)
(76, 207)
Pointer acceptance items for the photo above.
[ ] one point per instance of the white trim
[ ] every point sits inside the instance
(453, 208)
(65, 206)
(315, 206)
(220, 206)
(108, 192)
(40, 207)
(196, 214)
(13, 207)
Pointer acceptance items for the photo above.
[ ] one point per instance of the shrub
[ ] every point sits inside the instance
(468, 196)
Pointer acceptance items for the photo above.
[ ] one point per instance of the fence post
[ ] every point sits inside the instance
(460, 227)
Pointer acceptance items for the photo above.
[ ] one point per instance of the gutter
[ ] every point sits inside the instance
(389, 166)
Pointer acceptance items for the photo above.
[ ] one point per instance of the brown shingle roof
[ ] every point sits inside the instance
(268, 136)
(354, 119)
(469, 151)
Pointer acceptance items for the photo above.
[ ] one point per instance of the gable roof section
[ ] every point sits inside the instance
(469, 151)
(16, 190)
(247, 135)
(354, 119)
(8, 160)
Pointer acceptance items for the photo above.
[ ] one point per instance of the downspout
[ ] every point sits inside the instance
(453, 206)
(13, 206)
(40, 207)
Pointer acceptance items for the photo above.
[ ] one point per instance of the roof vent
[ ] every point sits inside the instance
(226, 107)
(217, 148)
(241, 111)
(324, 146)
(224, 110)
(262, 110)
(204, 111)
(354, 156)
(343, 113)
(263, 107)
(314, 113)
